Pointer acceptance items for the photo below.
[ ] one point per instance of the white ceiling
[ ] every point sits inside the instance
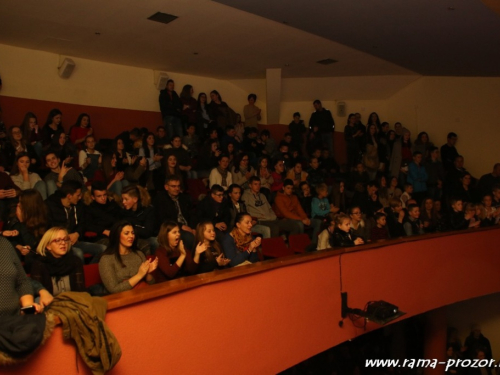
(230, 43)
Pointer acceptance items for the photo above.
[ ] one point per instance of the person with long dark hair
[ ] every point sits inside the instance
(239, 245)
(80, 130)
(63, 148)
(154, 159)
(15, 145)
(32, 132)
(189, 106)
(53, 124)
(25, 179)
(241, 171)
(56, 267)
(123, 266)
(89, 159)
(203, 120)
(220, 111)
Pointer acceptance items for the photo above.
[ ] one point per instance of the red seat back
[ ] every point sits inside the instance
(298, 242)
(275, 248)
(92, 276)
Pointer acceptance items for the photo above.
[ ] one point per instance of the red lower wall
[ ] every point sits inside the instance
(266, 322)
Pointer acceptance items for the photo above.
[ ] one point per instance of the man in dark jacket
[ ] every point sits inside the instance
(171, 205)
(449, 152)
(322, 118)
(66, 211)
(102, 213)
(171, 108)
(212, 209)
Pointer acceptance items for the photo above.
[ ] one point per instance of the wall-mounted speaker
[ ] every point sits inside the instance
(66, 68)
(161, 80)
(341, 109)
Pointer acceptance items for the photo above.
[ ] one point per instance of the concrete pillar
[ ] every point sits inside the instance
(273, 91)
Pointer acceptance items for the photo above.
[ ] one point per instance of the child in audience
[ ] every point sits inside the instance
(320, 206)
(379, 231)
(457, 220)
(395, 218)
(315, 176)
(471, 209)
(305, 198)
(429, 216)
(265, 175)
(358, 179)
(191, 141)
(174, 260)
(221, 175)
(277, 175)
(413, 226)
(343, 236)
(287, 207)
(297, 130)
(357, 223)
(123, 266)
(25, 179)
(496, 196)
(324, 236)
(213, 257)
(80, 130)
(417, 176)
(89, 159)
(268, 144)
(491, 212)
(53, 124)
(406, 196)
(297, 175)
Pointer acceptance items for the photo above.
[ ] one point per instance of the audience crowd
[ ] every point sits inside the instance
(202, 191)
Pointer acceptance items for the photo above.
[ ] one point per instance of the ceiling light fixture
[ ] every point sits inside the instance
(451, 8)
(327, 61)
(162, 17)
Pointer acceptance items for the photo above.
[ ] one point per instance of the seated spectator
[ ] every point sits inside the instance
(367, 200)
(80, 130)
(230, 137)
(208, 159)
(435, 173)
(343, 235)
(277, 175)
(358, 178)
(287, 208)
(250, 144)
(28, 225)
(67, 211)
(297, 175)
(490, 212)
(463, 190)
(102, 213)
(265, 175)
(496, 196)
(449, 152)
(221, 175)
(474, 210)
(260, 209)
(383, 195)
(59, 173)
(413, 225)
(239, 246)
(407, 195)
(284, 155)
(149, 151)
(429, 216)
(123, 266)
(53, 124)
(305, 198)
(393, 191)
(124, 159)
(25, 179)
(172, 205)
(314, 174)
(139, 212)
(89, 159)
(172, 169)
(417, 176)
(379, 230)
(116, 180)
(358, 225)
(454, 175)
(31, 132)
(268, 144)
(191, 141)
(338, 196)
(423, 145)
(161, 137)
(203, 119)
(182, 154)
(63, 148)
(16, 144)
(213, 257)
(327, 163)
(324, 236)
(241, 171)
(320, 205)
(489, 180)
(212, 209)
(56, 267)
(395, 218)
(174, 260)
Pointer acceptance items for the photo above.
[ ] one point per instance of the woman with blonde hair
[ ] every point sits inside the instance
(213, 257)
(57, 268)
(174, 260)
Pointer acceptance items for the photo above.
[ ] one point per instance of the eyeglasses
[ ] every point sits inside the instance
(174, 186)
(59, 240)
(219, 195)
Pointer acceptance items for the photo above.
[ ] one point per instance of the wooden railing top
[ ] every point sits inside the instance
(177, 285)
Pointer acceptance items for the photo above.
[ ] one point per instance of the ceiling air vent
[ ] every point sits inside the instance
(326, 61)
(162, 17)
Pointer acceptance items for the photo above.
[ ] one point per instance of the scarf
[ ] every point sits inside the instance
(223, 173)
(62, 266)
(242, 241)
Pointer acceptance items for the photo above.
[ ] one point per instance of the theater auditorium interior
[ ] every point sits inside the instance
(432, 66)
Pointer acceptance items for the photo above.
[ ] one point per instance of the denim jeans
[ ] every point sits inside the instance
(173, 125)
(80, 248)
